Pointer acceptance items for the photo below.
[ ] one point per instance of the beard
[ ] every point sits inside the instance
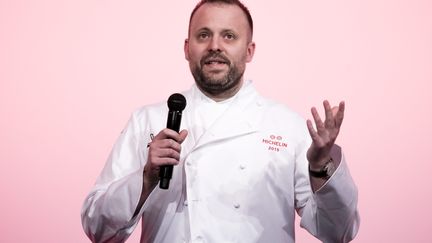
(216, 86)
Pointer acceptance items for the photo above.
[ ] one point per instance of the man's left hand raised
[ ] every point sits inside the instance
(324, 137)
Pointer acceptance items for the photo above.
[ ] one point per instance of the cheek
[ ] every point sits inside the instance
(239, 52)
(240, 56)
(195, 49)
(194, 56)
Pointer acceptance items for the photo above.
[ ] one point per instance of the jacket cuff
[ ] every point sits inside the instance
(339, 191)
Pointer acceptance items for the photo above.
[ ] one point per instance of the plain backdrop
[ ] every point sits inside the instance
(72, 71)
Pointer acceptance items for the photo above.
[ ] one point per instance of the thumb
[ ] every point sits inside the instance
(183, 134)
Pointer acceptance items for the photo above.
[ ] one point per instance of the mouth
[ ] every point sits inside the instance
(215, 66)
(215, 62)
(215, 59)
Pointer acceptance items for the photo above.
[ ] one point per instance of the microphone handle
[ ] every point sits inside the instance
(165, 172)
(174, 119)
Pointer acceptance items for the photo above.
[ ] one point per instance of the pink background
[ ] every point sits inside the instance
(71, 73)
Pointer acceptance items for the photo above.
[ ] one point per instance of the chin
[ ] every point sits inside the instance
(217, 78)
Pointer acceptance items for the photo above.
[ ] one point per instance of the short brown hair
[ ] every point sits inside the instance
(230, 2)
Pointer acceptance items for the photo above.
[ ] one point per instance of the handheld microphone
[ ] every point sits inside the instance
(176, 104)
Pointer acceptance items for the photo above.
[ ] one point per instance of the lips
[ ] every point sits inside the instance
(215, 59)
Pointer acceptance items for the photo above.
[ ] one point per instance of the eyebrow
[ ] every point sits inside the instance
(209, 30)
(204, 29)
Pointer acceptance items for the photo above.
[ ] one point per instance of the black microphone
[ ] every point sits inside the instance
(176, 104)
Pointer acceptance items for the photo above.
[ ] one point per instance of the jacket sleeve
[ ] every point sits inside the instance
(107, 211)
(330, 214)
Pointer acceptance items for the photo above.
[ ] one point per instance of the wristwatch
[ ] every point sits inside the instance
(325, 172)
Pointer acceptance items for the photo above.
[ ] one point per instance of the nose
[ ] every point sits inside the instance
(215, 45)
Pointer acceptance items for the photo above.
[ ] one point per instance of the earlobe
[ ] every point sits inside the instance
(250, 51)
(186, 49)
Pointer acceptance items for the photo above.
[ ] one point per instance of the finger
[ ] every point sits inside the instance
(335, 110)
(165, 144)
(170, 143)
(156, 162)
(182, 136)
(163, 156)
(166, 133)
(167, 153)
(314, 135)
(340, 114)
(329, 119)
(318, 122)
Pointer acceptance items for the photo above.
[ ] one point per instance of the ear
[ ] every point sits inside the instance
(186, 49)
(250, 51)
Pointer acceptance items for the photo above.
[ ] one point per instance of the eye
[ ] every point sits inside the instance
(203, 35)
(229, 36)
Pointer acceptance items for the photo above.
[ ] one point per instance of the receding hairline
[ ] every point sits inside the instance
(239, 4)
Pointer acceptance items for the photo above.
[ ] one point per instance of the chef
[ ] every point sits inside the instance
(244, 165)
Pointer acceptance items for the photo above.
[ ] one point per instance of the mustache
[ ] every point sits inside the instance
(215, 55)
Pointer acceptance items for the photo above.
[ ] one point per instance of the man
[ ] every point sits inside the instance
(243, 164)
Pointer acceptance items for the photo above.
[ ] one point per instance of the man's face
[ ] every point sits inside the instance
(218, 48)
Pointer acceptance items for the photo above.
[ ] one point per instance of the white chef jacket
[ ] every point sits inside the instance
(240, 180)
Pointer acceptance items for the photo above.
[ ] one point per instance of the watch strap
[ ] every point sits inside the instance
(324, 172)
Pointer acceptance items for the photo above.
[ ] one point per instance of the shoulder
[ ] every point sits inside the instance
(276, 110)
(155, 111)
(150, 109)
(280, 119)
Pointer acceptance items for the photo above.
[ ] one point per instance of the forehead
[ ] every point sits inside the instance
(218, 16)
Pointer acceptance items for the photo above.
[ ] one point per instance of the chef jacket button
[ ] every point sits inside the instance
(188, 163)
(236, 205)
(242, 167)
(185, 203)
(199, 239)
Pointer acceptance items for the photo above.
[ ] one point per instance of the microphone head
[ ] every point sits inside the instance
(176, 102)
